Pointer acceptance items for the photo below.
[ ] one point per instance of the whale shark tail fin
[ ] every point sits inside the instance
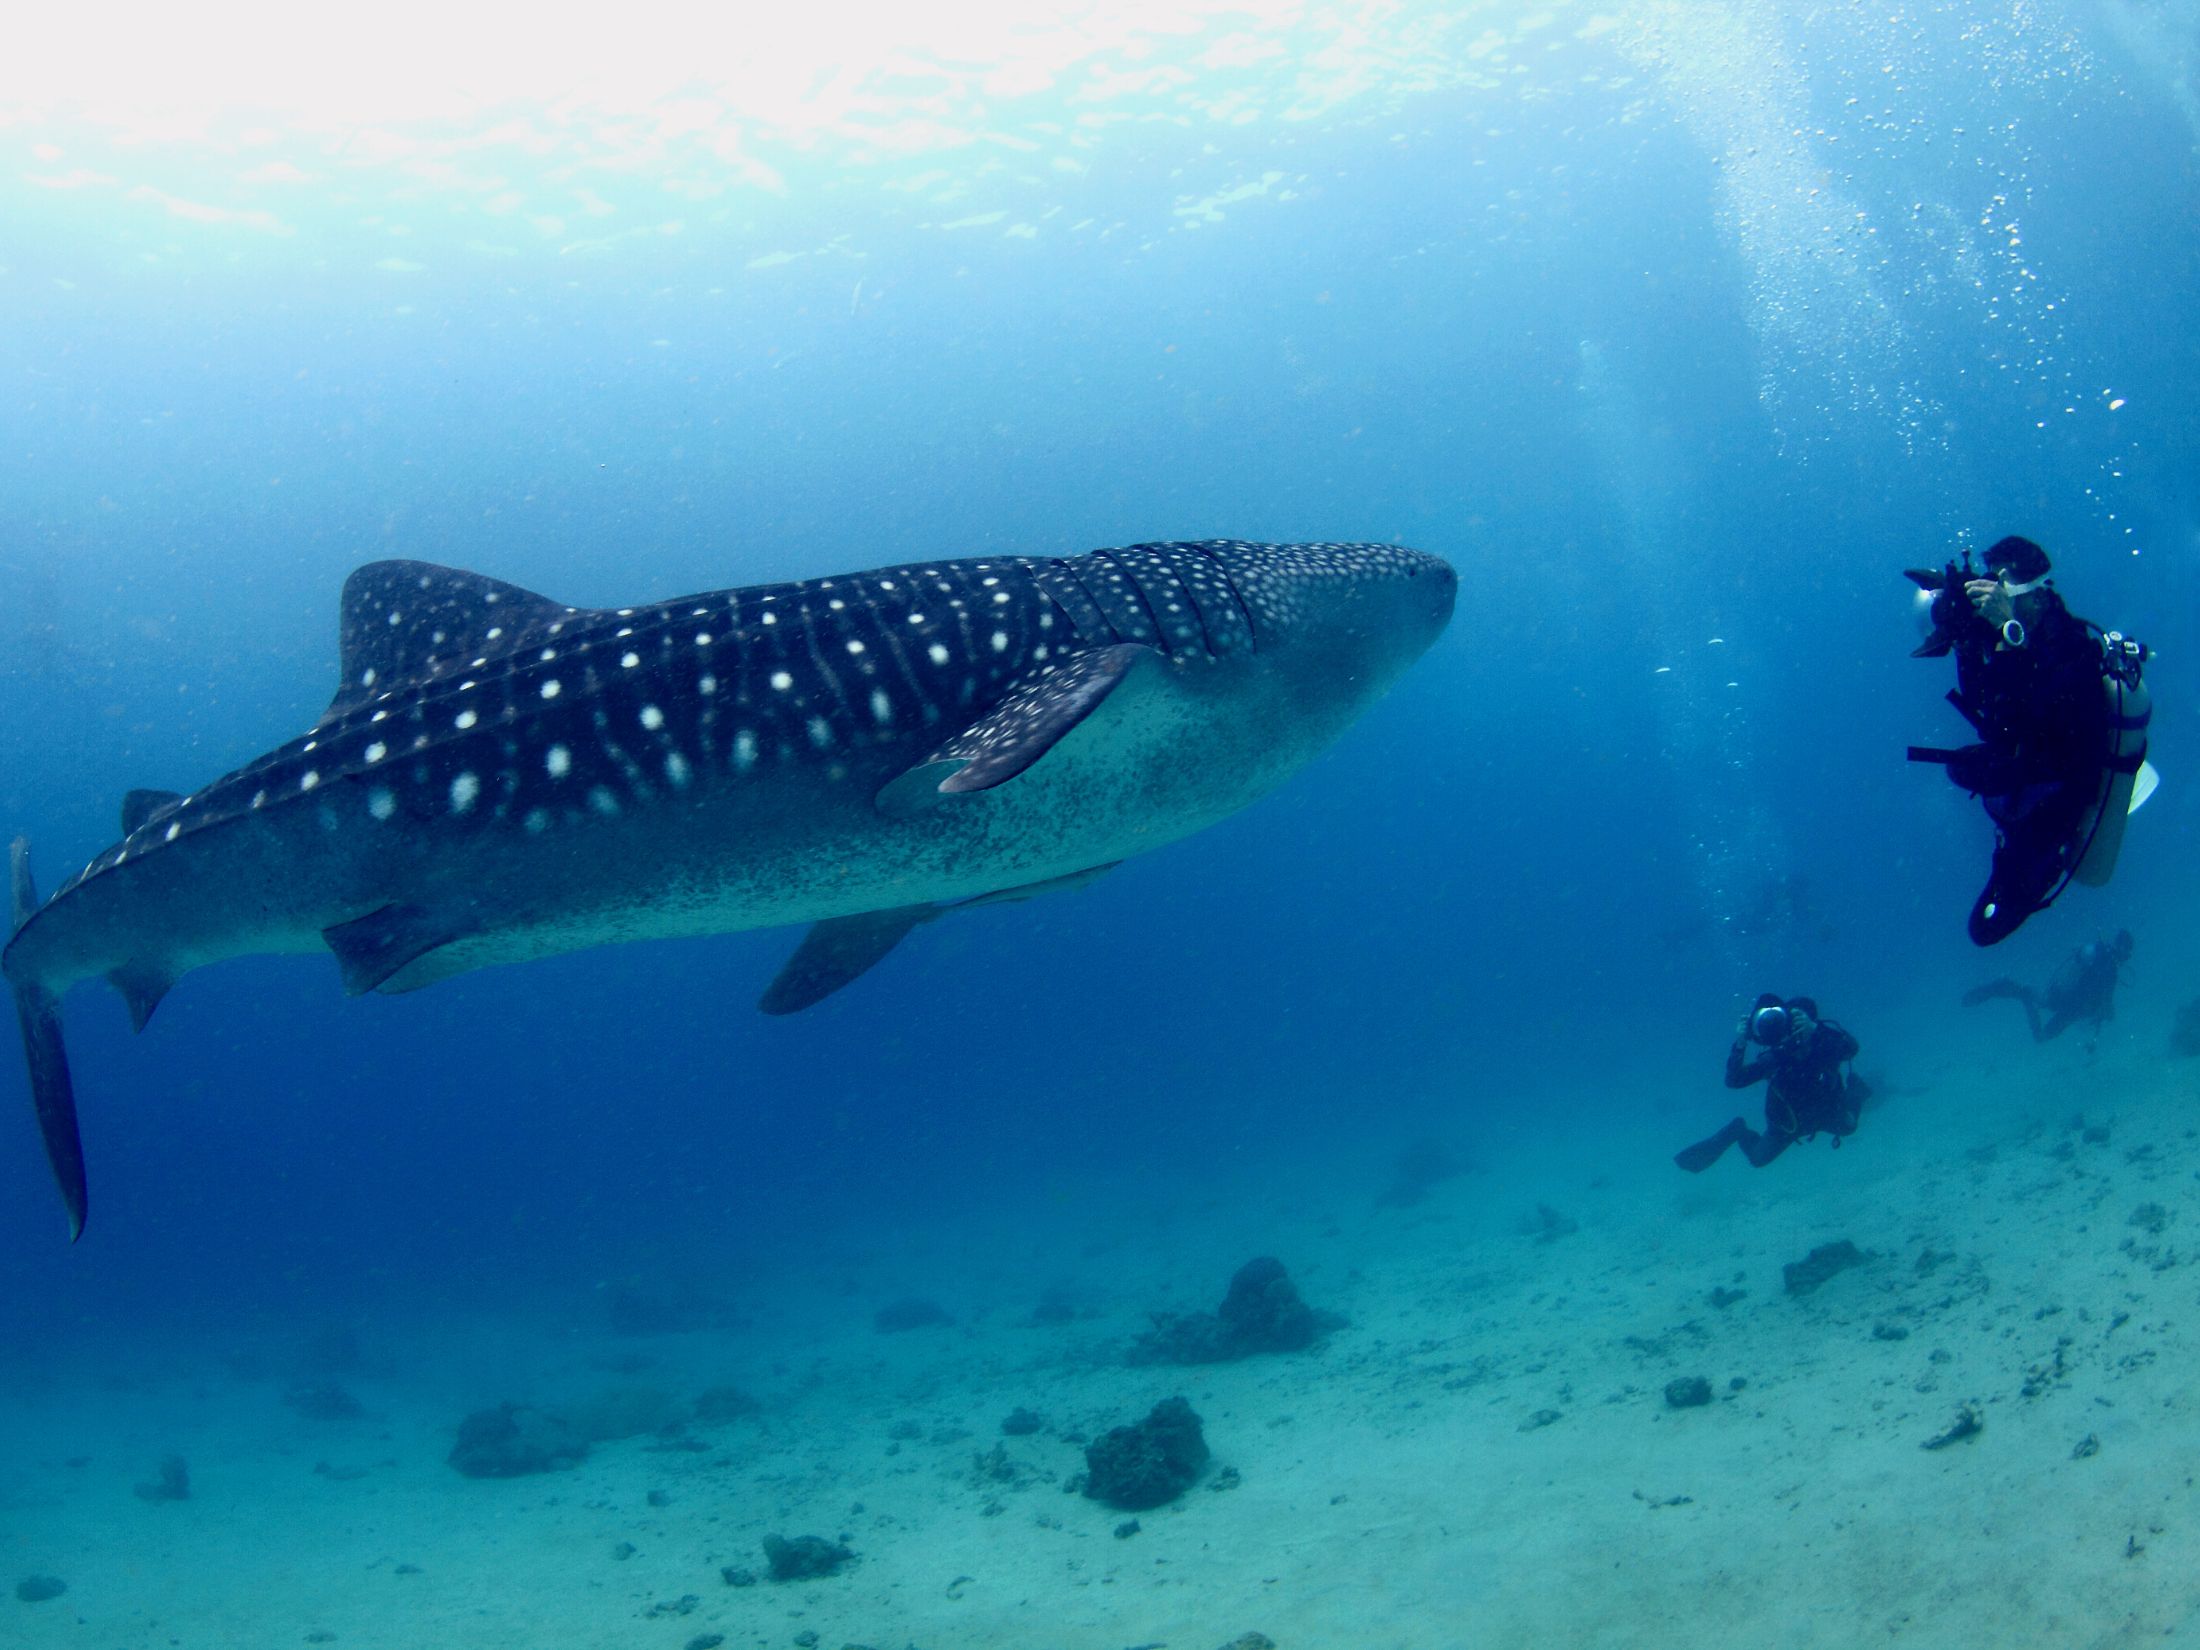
(53, 1096)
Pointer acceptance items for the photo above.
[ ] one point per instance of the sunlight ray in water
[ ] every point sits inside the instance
(544, 126)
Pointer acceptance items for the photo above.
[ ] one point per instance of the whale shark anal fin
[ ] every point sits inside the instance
(142, 984)
(370, 950)
(1034, 716)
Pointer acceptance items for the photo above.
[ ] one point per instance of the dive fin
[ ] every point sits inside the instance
(2149, 779)
(142, 985)
(1039, 710)
(141, 808)
(373, 948)
(1707, 1151)
(838, 951)
(53, 1096)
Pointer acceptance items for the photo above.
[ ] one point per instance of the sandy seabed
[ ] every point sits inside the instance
(1484, 1456)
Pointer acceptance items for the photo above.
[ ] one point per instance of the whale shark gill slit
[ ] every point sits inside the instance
(1221, 609)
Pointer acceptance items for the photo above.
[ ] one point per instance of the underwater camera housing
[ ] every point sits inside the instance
(1951, 612)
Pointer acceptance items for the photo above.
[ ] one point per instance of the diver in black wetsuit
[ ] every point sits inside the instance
(2083, 988)
(1807, 1093)
(2029, 681)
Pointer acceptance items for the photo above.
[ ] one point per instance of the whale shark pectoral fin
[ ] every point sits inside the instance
(917, 789)
(371, 949)
(53, 1095)
(1042, 707)
(142, 983)
(841, 950)
(1038, 712)
(1032, 890)
(837, 951)
(140, 808)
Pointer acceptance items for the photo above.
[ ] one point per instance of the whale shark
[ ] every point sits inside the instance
(501, 777)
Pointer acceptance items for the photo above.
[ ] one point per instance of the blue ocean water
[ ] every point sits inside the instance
(1680, 330)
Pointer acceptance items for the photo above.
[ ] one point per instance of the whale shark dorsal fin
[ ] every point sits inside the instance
(1042, 707)
(141, 807)
(373, 949)
(402, 619)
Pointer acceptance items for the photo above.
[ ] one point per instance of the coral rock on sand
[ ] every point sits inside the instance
(171, 1482)
(1261, 1313)
(1145, 1465)
(805, 1557)
(1689, 1392)
(1820, 1264)
(512, 1441)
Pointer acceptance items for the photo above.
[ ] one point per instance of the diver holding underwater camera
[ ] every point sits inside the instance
(2060, 711)
(1807, 1093)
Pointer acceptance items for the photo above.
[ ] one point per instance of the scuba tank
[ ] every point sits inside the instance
(2101, 832)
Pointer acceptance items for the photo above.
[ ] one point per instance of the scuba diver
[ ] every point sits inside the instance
(2084, 988)
(1807, 1093)
(2061, 716)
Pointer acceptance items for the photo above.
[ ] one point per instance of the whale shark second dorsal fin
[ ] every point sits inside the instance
(405, 620)
(141, 807)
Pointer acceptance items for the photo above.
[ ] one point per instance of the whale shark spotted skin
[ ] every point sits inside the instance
(501, 777)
